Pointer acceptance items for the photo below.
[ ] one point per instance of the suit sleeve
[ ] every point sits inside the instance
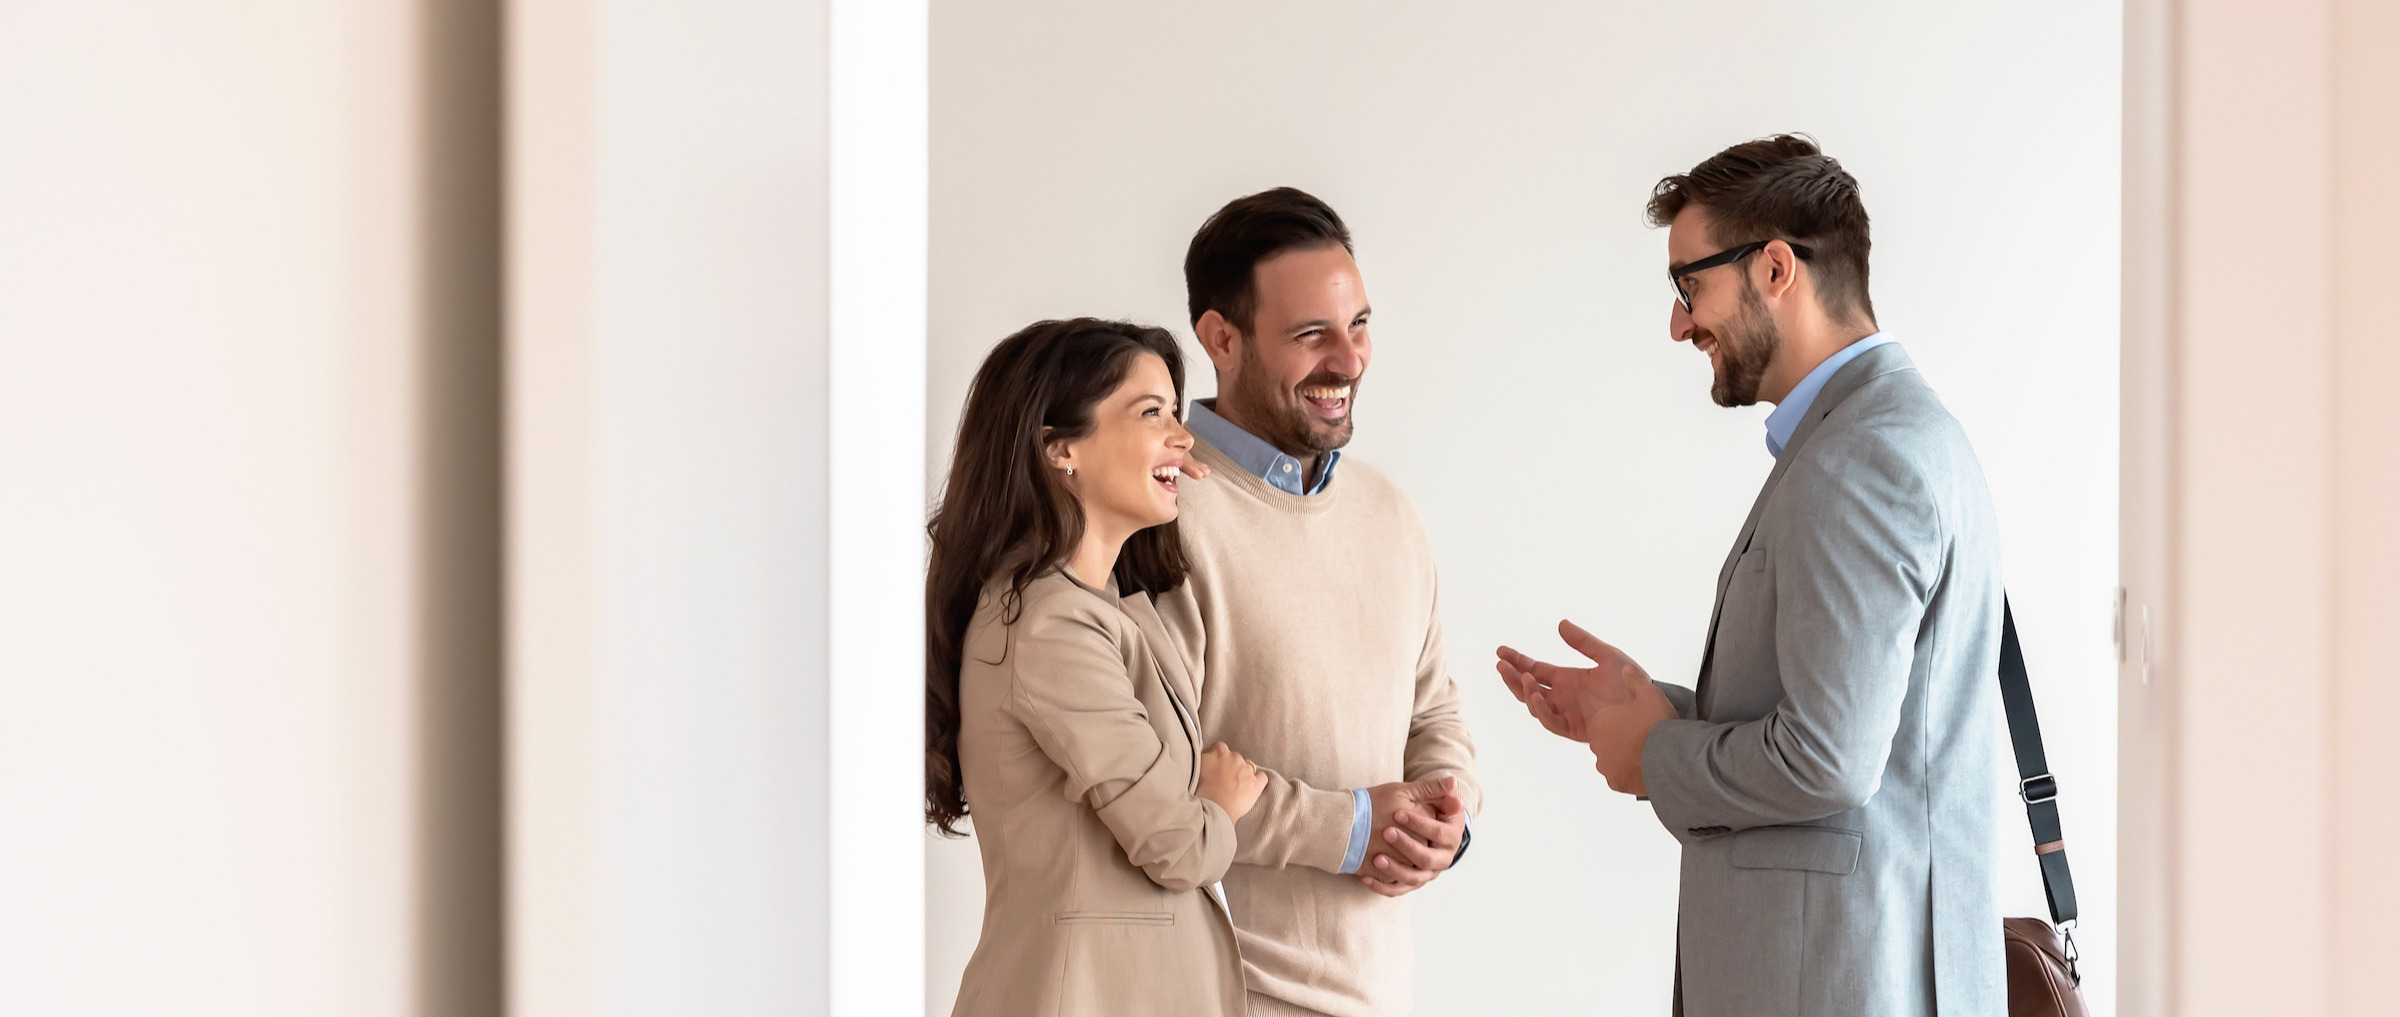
(1072, 692)
(1685, 703)
(1851, 584)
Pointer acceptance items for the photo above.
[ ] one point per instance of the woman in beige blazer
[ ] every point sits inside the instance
(1058, 714)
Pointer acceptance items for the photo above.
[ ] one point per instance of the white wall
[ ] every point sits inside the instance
(248, 602)
(667, 505)
(1492, 162)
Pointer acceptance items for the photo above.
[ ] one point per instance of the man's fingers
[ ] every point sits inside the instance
(1526, 665)
(1544, 707)
(1548, 714)
(1552, 676)
(1540, 705)
(1519, 683)
(1385, 888)
(1399, 869)
(1417, 853)
(1524, 673)
(1195, 469)
(1586, 643)
(1434, 832)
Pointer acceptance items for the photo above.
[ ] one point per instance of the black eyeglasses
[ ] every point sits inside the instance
(1675, 275)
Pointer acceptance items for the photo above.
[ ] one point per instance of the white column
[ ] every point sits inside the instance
(716, 383)
(877, 401)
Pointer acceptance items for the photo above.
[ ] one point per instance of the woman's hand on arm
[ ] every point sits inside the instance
(1230, 780)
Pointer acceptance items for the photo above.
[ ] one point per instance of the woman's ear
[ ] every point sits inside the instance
(1057, 453)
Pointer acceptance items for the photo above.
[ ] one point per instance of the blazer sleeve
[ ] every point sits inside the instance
(1072, 692)
(1851, 584)
(1683, 699)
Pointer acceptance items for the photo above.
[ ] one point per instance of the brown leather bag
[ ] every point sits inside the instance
(2042, 978)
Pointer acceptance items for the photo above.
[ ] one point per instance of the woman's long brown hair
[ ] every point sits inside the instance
(1005, 512)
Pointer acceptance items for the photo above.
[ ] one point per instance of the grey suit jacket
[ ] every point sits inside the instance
(1832, 778)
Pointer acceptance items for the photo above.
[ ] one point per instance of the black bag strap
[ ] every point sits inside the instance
(2034, 783)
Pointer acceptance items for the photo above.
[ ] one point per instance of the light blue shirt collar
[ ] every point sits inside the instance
(1252, 453)
(1794, 407)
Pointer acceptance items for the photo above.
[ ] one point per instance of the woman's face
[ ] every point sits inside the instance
(1127, 468)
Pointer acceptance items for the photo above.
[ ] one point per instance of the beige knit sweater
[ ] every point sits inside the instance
(1314, 623)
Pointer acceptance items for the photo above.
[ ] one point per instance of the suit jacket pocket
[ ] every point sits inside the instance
(1813, 848)
(1115, 918)
(1756, 558)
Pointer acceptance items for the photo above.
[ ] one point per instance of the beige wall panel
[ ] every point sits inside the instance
(551, 968)
(2365, 539)
(234, 636)
(2259, 500)
(2148, 611)
(2253, 486)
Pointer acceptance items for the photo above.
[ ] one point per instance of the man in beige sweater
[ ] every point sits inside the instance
(1311, 608)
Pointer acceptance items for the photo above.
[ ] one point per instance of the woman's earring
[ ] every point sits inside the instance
(1070, 471)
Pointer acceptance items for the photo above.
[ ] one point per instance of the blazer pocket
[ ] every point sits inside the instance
(1812, 848)
(1756, 559)
(1114, 918)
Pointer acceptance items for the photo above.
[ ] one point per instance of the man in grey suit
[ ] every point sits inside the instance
(1831, 772)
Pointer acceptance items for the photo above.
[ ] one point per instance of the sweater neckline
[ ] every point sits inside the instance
(1223, 469)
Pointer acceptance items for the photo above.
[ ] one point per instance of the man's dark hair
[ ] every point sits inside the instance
(1782, 188)
(1218, 269)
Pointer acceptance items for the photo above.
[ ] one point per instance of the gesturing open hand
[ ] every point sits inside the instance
(1610, 706)
(1564, 698)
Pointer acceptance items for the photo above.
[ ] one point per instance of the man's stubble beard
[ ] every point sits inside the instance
(1283, 417)
(1744, 348)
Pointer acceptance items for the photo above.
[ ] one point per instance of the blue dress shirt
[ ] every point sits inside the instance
(1794, 407)
(1252, 453)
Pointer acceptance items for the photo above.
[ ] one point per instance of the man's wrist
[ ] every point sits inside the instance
(1362, 823)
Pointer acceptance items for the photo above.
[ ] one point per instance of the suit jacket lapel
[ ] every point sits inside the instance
(1846, 382)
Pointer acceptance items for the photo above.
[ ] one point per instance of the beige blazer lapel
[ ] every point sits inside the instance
(1167, 660)
(1168, 666)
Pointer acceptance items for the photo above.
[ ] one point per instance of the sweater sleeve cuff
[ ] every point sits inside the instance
(1294, 824)
(1362, 818)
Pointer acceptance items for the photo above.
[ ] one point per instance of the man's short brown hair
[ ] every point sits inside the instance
(1783, 188)
(1219, 270)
